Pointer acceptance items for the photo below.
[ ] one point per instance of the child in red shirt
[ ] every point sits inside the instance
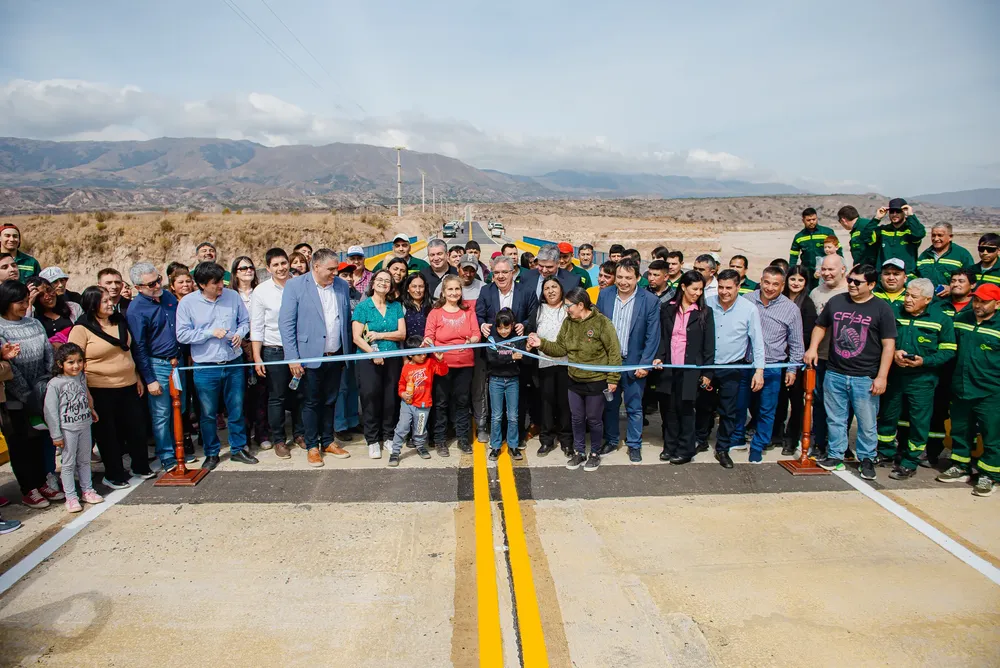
(415, 388)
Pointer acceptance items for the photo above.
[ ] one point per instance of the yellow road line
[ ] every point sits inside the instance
(529, 620)
(488, 604)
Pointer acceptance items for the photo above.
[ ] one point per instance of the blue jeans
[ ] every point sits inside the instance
(412, 419)
(346, 415)
(768, 403)
(225, 382)
(161, 411)
(631, 389)
(841, 394)
(504, 389)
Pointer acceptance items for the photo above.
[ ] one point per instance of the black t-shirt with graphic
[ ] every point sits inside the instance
(856, 333)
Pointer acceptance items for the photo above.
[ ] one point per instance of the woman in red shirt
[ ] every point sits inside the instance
(451, 322)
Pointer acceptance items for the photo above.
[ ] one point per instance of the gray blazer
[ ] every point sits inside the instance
(301, 320)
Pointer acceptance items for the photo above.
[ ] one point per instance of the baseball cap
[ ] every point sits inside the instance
(565, 248)
(401, 237)
(468, 260)
(495, 255)
(53, 274)
(987, 292)
(355, 250)
(897, 203)
(345, 266)
(894, 262)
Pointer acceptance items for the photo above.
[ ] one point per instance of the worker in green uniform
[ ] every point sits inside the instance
(901, 236)
(925, 341)
(863, 240)
(807, 246)
(892, 285)
(740, 263)
(959, 297)
(10, 242)
(401, 249)
(566, 251)
(943, 257)
(987, 270)
(976, 392)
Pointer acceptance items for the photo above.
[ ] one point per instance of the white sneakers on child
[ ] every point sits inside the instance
(375, 450)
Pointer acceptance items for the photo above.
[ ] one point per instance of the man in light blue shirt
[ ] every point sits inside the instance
(214, 322)
(738, 333)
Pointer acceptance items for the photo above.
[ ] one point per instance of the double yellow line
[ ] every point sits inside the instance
(529, 621)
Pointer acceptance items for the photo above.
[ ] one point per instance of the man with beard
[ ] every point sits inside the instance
(900, 238)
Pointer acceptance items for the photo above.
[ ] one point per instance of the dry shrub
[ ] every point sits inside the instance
(226, 211)
(101, 216)
(101, 226)
(166, 226)
(191, 217)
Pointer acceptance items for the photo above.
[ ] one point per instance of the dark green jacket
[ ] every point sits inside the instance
(748, 286)
(592, 340)
(27, 265)
(585, 277)
(991, 275)
(930, 335)
(807, 246)
(414, 266)
(895, 302)
(938, 269)
(863, 242)
(902, 243)
(977, 370)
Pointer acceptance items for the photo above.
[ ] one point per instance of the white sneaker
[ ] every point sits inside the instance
(388, 446)
(745, 446)
(375, 450)
(266, 445)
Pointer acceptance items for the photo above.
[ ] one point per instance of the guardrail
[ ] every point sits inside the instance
(376, 249)
(600, 257)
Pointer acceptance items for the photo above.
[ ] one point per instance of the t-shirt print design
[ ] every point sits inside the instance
(850, 333)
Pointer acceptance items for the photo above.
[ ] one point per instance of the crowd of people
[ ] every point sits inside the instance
(902, 342)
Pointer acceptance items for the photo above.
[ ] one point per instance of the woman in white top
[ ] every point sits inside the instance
(552, 382)
(244, 280)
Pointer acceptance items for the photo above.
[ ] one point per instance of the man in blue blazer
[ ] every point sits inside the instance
(548, 265)
(315, 321)
(636, 316)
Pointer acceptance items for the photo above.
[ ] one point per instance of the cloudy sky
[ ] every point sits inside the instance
(898, 96)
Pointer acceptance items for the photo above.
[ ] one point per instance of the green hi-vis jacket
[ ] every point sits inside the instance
(938, 269)
(977, 369)
(863, 242)
(27, 266)
(930, 335)
(947, 307)
(902, 243)
(808, 245)
(592, 340)
(748, 286)
(895, 301)
(991, 275)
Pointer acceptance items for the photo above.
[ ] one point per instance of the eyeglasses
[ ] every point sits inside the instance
(245, 268)
(502, 273)
(152, 284)
(987, 249)
(857, 281)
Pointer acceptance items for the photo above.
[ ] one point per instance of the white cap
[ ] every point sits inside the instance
(53, 274)
(355, 250)
(894, 262)
(401, 237)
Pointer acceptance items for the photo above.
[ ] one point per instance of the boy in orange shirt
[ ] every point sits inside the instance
(415, 388)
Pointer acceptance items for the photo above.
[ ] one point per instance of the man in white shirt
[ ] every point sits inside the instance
(265, 339)
(706, 265)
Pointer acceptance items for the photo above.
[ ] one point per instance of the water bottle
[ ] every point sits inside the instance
(294, 385)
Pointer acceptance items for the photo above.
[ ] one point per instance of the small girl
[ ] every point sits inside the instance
(416, 387)
(504, 371)
(69, 412)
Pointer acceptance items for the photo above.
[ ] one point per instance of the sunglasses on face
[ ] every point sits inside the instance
(895, 211)
(155, 283)
(857, 281)
(987, 249)
(245, 268)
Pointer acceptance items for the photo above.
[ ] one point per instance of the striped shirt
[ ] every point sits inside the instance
(781, 322)
(622, 319)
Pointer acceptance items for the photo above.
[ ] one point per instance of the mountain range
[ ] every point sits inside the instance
(205, 173)
(980, 197)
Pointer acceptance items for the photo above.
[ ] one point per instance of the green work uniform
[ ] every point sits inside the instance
(585, 277)
(975, 388)
(938, 268)
(931, 336)
(644, 280)
(902, 242)
(942, 395)
(894, 301)
(414, 266)
(807, 247)
(991, 275)
(747, 286)
(227, 278)
(863, 242)
(27, 266)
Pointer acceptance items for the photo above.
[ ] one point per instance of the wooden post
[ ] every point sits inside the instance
(803, 465)
(180, 476)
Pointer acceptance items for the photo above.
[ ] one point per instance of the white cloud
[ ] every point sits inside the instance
(73, 109)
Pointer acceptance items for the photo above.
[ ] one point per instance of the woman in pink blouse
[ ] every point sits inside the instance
(451, 322)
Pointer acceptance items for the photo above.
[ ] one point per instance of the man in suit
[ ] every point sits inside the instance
(636, 317)
(548, 265)
(502, 293)
(315, 321)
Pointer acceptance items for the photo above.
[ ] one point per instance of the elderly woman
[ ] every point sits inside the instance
(103, 336)
(56, 314)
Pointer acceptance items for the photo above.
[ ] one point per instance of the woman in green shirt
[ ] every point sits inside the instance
(378, 324)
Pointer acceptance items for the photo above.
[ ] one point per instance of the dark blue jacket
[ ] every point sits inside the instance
(523, 304)
(153, 327)
(567, 279)
(644, 334)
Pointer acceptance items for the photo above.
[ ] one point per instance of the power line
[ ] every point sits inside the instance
(315, 59)
(270, 42)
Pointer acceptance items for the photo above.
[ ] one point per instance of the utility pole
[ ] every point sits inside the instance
(423, 203)
(399, 182)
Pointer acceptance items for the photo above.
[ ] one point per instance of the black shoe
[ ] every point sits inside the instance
(567, 450)
(867, 469)
(665, 456)
(148, 475)
(771, 446)
(393, 459)
(576, 461)
(635, 455)
(884, 460)
(544, 450)
(902, 473)
(680, 460)
(422, 451)
(849, 456)
(789, 450)
(830, 464)
(243, 457)
(928, 463)
(442, 450)
(210, 462)
(702, 447)
(465, 447)
(516, 454)
(608, 448)
(724, 459)
(593, 462)
(645, 422)
(344, 436)
(494, 455)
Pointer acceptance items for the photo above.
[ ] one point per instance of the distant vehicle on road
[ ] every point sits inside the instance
(450, 230)
(497, 231)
